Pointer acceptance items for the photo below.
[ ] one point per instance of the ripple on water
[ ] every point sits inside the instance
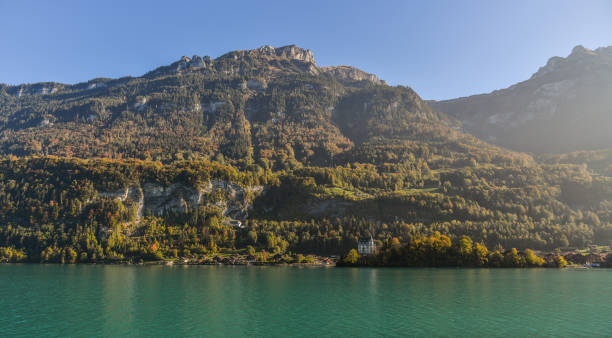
(56, 300)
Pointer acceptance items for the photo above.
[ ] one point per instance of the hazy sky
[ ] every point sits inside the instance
(442, 49)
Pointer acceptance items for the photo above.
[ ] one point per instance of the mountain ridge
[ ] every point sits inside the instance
(196, 62)
(245, 105)
(540, 114)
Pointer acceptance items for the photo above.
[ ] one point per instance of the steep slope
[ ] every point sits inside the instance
(273, 107)
(565, 106)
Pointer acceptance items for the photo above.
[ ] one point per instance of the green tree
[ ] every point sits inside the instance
(560, 261)
(512, 258)
(465, 249)
(352, 257)
(532, 259)
(480, 254)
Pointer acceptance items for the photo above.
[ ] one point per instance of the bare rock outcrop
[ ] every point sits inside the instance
(350, 75)
(233, 200)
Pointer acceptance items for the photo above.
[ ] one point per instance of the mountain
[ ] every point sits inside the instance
(565, 106)
(264, 150)
(273, 107)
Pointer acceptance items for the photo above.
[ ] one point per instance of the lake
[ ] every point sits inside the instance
(113, 300)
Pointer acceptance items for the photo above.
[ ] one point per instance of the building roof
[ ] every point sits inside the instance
(366, 240)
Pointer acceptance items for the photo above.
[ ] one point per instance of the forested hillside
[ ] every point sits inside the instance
(265, 151)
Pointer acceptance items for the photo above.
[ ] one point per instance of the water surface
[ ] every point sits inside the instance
(90, 301)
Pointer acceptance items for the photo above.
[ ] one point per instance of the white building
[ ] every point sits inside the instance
(366, 246)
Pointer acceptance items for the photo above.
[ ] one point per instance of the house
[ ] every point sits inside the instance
(366, 246)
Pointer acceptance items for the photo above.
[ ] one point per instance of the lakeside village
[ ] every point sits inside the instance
(426, 251)
(466, 254)
(372, 253)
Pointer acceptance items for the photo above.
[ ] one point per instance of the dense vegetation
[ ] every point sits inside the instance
(253, 152)
(438, 251)
(56, 209)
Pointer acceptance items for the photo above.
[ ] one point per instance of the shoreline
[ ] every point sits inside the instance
(574, 267)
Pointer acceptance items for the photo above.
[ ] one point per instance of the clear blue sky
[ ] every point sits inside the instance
(442, 49)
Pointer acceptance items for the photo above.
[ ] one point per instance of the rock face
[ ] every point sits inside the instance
(207, 64)
(233, 200)
(289, 52)
(235, 63)
(35, 89)
(565, 106)
(350, 76)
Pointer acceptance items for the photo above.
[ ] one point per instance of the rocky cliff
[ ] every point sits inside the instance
(351, 76)
(232, 200)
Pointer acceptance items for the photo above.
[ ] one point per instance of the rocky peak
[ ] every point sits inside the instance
(295, 52)
(291, 52)
(201, 62)
(194, 62)
(553, 64)
(183, 64)
(350, 75)
(580, 51)
(226, 64)
(579, 55)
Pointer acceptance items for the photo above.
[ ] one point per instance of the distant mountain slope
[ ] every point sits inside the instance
(565, 106)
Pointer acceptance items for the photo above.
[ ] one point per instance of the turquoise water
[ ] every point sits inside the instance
(89, 301)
